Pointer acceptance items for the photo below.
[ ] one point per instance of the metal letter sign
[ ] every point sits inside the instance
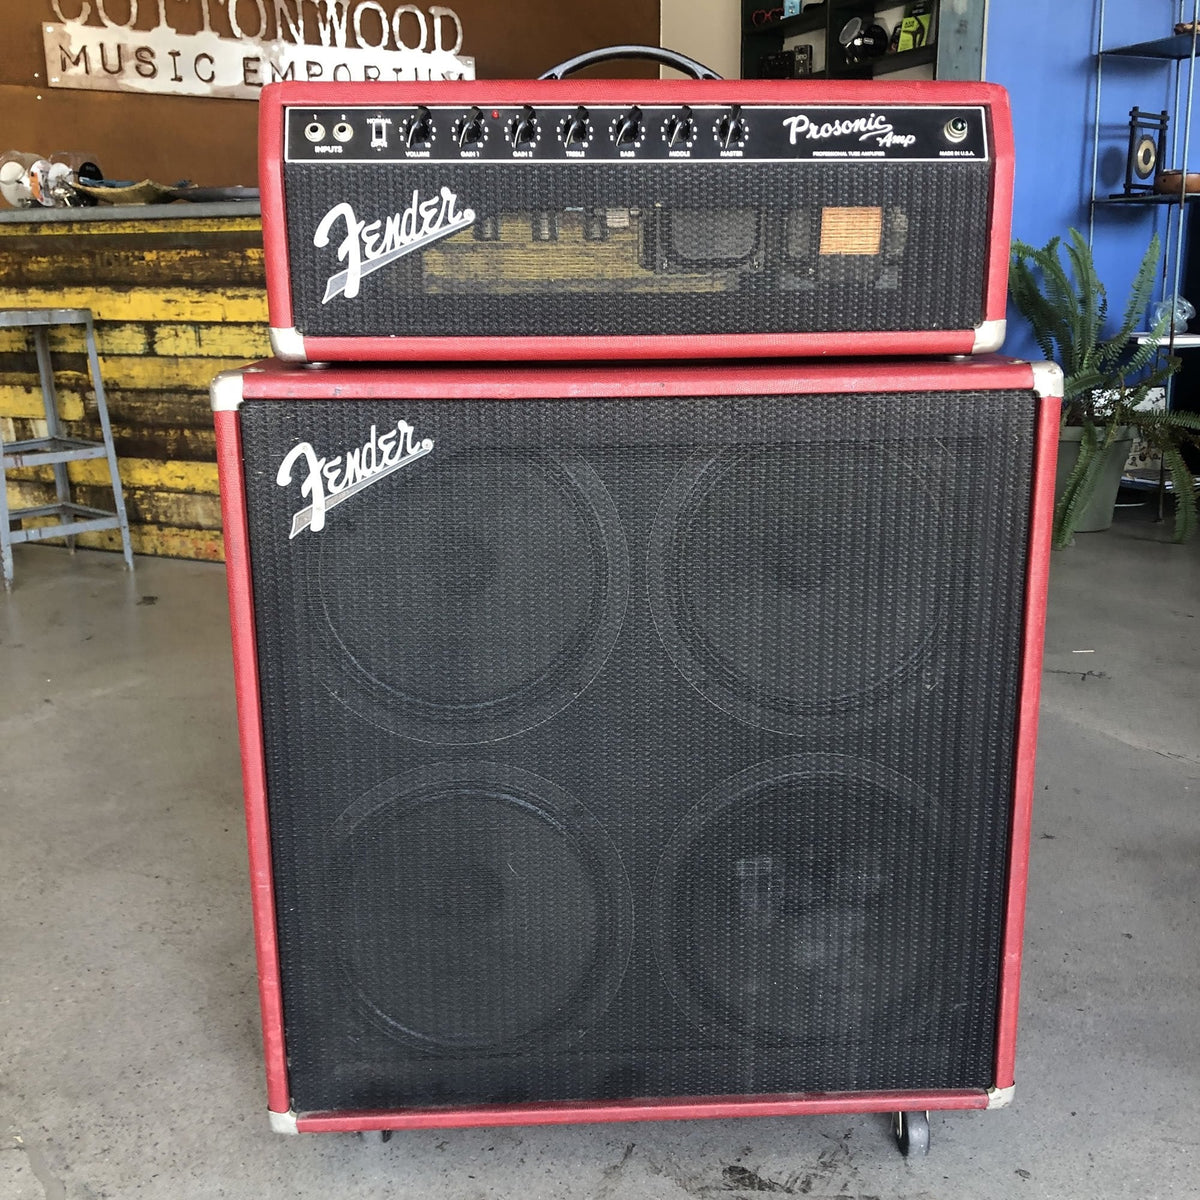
(363, 40)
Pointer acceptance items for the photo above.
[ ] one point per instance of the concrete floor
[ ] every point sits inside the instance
(129, 1055)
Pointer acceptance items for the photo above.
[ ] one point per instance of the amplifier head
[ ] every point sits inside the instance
(560, 219)
(636, 742)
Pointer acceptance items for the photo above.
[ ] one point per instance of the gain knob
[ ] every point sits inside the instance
(523, 129)
(469, 129)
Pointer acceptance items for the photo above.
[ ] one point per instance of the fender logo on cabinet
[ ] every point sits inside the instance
(329, 481)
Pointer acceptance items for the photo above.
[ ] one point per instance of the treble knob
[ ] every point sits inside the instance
(576, 130)
(523, 129)
(731, 129)
(627, 130)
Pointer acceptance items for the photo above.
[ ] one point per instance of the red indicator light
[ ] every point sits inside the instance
(495, 115)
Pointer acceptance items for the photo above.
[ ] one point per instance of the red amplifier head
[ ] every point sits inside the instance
(571, 219)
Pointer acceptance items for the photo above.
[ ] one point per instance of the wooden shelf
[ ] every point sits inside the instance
(1174, 48)
(1183, 341)
(1149, 480)
(1148, 198)
(920, 57)
(812, 21)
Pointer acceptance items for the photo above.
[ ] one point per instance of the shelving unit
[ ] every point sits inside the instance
(1177, 51)
(826, 22)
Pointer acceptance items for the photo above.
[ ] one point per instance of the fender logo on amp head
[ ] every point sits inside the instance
(331, 480)
(369, 245)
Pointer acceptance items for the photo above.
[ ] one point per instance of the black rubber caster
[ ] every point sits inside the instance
(911, 1131)
(376, 1136)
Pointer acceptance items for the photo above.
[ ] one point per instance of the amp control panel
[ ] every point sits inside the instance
(651, 133)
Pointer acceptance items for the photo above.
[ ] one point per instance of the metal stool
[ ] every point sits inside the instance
(57, 449)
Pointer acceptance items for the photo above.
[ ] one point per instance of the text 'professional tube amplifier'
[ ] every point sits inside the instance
(634, 742)
(572, 219)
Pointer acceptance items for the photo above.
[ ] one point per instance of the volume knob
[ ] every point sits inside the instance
(418, 131)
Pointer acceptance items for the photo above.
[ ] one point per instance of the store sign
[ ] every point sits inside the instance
(269, 40)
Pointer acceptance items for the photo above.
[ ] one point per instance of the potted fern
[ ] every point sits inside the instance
(1107, 381)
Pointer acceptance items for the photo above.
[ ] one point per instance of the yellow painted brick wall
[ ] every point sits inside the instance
(176, 300)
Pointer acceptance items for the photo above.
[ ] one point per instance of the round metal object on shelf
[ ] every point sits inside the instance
(1145, 156)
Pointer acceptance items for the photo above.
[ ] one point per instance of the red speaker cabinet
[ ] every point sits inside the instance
(602, 219)
(637, 743)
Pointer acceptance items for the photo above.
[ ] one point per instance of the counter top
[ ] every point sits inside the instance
(180, 210)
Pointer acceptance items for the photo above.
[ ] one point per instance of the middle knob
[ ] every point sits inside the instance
(679, 129)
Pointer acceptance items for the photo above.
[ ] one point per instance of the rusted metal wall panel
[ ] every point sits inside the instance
(176, 300)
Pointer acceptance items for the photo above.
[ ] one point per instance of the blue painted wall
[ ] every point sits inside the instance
(1044, 53)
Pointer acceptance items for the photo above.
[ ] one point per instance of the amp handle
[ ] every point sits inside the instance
(670, 58)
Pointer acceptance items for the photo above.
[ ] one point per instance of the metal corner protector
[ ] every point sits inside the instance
(283, 1122)
(1047, 378)
(225, 392)
(288, 345)
(989, 336)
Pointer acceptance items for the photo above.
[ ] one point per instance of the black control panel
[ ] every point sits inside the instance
(651, 133)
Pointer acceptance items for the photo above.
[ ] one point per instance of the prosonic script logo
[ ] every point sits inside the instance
(875, 127)
(329, 481)
(368, 246)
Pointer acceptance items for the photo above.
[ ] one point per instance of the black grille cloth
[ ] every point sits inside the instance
(643, 748)
(928, 275)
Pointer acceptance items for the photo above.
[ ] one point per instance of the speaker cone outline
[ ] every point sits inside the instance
(501, 860)
(441, 588)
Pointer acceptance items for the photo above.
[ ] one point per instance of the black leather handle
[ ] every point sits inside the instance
(669, 58)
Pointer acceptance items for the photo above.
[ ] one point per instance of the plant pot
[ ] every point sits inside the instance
(1098, 513)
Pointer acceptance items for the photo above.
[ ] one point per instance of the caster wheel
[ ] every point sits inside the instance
(911, 1131)
(376, 1136)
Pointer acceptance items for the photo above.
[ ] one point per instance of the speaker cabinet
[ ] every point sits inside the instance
(601, 219)
(636, 743)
